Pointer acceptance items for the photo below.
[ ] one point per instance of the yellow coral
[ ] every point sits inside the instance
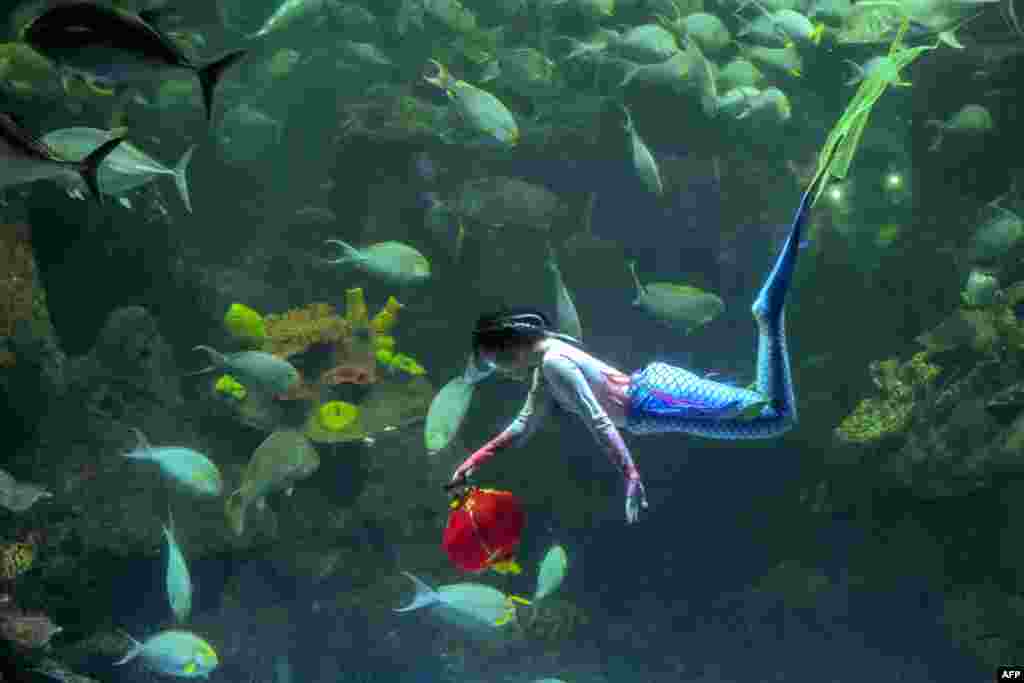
(386, 318)
(16, 559)
(355, 307)
(407, 364)
(334, 422)
(245, 324)
(229, 386)
(296, 330)
(384, 342)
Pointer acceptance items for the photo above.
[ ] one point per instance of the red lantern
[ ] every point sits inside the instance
(484, 528)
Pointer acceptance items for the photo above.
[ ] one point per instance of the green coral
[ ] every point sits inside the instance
(888, 414)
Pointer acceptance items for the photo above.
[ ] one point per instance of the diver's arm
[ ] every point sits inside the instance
(568, 382)
(530, 416)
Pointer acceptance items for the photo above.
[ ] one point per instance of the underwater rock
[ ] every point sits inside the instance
(973, 329)
(131, 358)
(888, 414)
(984, 621)
(937, 439)
(1007, 404)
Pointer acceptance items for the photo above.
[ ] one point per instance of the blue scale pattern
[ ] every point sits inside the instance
(664, 398)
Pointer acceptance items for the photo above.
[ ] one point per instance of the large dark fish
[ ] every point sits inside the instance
(109, 43)
(24, 159)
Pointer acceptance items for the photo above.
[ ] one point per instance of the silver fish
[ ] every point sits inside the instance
(288, 13)
(127, 167)
(643, 161)
(24, 159)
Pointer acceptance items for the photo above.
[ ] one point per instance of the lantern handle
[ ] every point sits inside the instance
(462, 481)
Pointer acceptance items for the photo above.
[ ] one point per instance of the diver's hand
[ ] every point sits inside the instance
(636, 499)
(460, 478)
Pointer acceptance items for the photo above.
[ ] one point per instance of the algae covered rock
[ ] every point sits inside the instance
(887, 415)
(937, 433)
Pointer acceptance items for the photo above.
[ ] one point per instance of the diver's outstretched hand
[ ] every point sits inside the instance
(636, 499)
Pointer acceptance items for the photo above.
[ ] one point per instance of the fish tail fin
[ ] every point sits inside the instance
(349, 254)
(216, 357)
(211, 74)
(425, 595)
(856, 74)
(234, 510)
(631, 71)
(89, 167)
(636, 278)
(181, 177)
(141, 445)
(132, 653)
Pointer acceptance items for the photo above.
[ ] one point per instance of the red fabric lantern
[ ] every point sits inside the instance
(484, 528)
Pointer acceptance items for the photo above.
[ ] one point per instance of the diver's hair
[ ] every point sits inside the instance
(510, 327)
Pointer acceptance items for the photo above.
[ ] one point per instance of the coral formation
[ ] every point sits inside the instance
(900, 385)
(21, 300)
(229, 386)
(335, 422)
(29, 630)
(296, 330)
(246, 325)
(16, 559)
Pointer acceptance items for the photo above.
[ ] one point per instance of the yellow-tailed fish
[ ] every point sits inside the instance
(478, 609)
(394, 262)
(481, 111)
(197, 472)
(174, 653)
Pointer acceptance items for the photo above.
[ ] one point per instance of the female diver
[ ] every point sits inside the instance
(657, 399)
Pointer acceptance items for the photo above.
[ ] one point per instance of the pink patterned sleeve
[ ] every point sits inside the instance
(534, 409)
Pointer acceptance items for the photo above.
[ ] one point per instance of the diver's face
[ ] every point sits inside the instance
(513, 361)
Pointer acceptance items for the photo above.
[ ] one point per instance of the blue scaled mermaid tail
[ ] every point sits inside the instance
(664, 398)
